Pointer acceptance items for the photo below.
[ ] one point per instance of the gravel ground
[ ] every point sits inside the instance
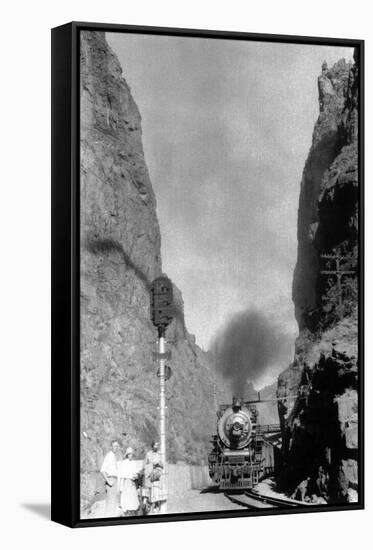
(195, 501)
(192, 500)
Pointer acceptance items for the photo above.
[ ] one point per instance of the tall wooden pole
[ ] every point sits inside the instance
(162, 313)
(162, 419)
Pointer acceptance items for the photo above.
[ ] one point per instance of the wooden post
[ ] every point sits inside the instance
(338, 271)
(162, 420)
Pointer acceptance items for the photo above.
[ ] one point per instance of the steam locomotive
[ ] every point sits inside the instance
(240, 455)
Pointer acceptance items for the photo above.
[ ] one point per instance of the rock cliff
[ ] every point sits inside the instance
(120, 255)
(320, 425)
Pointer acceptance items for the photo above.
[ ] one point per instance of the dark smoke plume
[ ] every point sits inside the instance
(247, 346)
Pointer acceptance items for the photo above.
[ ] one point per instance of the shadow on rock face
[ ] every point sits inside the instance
(102, 246)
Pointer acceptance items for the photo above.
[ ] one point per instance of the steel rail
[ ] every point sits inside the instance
(251, 499)
(246, 501)
(277, 502)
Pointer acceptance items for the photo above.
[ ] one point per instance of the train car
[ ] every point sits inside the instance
(240, 455)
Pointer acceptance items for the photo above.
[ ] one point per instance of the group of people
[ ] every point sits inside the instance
(131, 490)
(313, 490)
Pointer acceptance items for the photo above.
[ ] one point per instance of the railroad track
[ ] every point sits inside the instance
(251, 499)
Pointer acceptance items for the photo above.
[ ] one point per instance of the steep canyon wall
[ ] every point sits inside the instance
(320, 428)
(120, 256)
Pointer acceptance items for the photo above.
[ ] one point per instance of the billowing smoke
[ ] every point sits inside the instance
(247, 347)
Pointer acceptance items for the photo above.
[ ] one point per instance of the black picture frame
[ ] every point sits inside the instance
(65, 269)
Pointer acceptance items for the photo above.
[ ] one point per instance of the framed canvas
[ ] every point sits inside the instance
(207, 276)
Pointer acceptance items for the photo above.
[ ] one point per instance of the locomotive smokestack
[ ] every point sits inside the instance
(236, 403)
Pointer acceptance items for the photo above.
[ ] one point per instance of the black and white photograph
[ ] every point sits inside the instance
(219, 250)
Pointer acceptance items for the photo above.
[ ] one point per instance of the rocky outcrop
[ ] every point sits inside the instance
(120, 255)
(318, 413)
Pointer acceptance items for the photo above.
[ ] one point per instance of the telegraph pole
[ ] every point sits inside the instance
(162, 311)
(337, 272)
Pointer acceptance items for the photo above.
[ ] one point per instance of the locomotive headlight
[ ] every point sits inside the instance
(234, 428)
(237, 427)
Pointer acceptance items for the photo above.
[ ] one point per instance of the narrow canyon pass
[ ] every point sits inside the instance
(263, 407)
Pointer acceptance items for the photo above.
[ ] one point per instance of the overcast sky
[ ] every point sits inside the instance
(227, 126)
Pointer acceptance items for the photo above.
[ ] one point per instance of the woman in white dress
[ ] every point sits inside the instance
(127, 473)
